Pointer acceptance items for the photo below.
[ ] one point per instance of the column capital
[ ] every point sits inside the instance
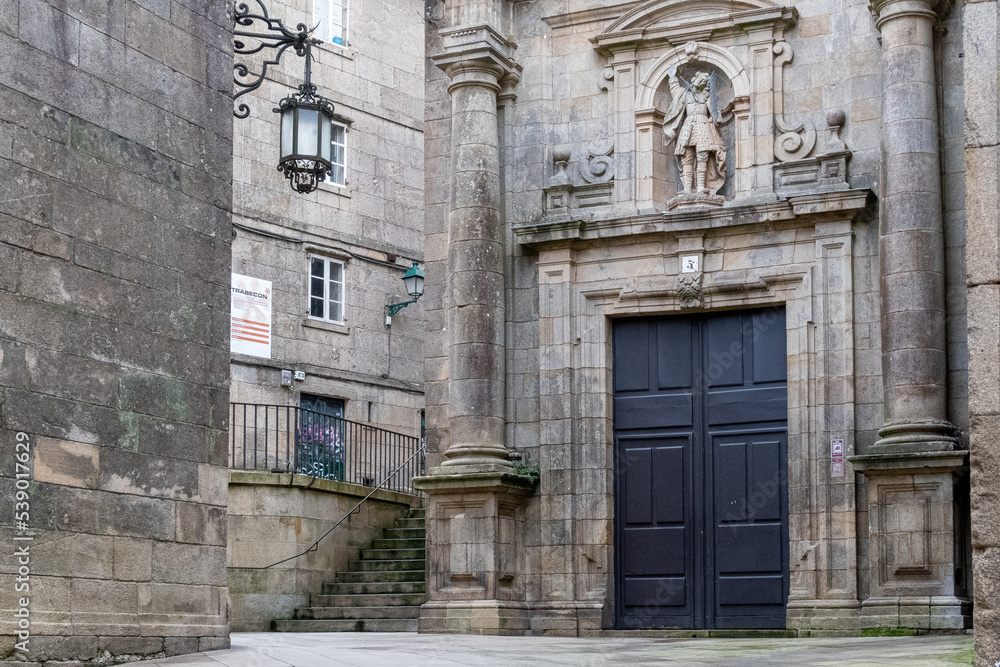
(477, 55)
(884, 11)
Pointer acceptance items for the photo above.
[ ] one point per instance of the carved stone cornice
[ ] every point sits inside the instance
(478, 55)
(887, 10)
(803, 209)
(671, 22)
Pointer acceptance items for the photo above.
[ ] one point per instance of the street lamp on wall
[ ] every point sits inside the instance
(306, 117)
(413, 282)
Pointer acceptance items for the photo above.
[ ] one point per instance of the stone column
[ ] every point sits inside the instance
(911, 247)
(475, 311)
(474, 509)
(913, 467)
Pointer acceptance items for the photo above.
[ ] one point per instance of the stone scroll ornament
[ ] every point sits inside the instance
(692, 125)
(796, 140)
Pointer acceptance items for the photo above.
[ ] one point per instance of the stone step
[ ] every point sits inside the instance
(399, 544)
(368, 600)
(366, 613)
(417, 513)
(375, 587)
(410, 523)
(348, 625)
(376, 577)
(404, 533)
(387, 565)
(393, 554)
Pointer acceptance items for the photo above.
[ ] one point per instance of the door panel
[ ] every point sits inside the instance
(700, 419)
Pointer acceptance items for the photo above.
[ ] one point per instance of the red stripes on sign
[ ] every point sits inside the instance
(248, 330)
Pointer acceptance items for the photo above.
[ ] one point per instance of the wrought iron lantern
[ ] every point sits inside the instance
(413, 281)
(306, 124)
(306, 117)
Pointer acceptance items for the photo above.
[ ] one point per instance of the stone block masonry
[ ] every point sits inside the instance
(982, 136)
(116, 165)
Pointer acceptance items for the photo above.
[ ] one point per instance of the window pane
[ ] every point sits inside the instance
(336, 312)
(336, 292)
(338, 155)
(337, 176)
(316, 307)
(316, 287)
(321, 16)
(338, 134)
(317, 267)
(337, 271)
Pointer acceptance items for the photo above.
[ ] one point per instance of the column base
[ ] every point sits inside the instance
(824, 618)
(474, 617)
(945, 612)
(924, 435)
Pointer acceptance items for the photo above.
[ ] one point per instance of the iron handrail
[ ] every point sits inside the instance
(288, 438)
(315, 545)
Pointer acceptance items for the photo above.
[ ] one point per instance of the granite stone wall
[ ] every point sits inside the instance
(273, 517)
(982, 145)
(116, 171)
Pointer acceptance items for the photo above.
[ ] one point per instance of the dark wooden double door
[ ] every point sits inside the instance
(701, 511)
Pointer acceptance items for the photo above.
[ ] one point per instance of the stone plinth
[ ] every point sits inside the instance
(475, 555)
(911, 528)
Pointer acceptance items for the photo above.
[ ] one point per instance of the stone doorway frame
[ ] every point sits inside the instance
(576, 399)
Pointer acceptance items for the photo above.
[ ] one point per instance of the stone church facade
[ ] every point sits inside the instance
(747, 397)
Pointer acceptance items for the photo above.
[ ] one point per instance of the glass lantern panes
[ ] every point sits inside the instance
(338, 155)
(330, 17)
(326, 289)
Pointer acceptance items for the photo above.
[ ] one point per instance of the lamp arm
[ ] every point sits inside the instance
(271, 34)
(394, 308)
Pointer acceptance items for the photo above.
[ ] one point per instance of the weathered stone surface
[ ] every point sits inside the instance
(97, 335)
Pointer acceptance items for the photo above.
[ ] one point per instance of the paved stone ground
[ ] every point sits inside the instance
(403, 649)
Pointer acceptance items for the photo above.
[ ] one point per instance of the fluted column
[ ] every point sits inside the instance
(911, 247)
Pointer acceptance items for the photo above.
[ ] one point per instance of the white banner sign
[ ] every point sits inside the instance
(250, 316)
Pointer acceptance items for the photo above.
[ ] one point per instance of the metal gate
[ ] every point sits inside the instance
(701, 501)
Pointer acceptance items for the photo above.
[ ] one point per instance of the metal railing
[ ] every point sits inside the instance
(286, 438)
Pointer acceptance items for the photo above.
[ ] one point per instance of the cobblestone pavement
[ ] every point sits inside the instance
(403, 649)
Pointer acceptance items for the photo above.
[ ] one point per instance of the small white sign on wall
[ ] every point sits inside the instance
(837, 457)
(690, 263)
(250, 316)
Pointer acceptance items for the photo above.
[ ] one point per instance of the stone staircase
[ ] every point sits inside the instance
(382, 592)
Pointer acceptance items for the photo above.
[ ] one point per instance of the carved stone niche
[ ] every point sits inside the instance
(742, 41)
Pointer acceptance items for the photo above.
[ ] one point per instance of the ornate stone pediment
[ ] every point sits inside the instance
(679, 21)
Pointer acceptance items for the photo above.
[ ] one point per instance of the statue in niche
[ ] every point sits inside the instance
(692, 124)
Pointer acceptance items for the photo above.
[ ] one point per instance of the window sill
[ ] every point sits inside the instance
(341, 190)
(345, 52)
(326, 326)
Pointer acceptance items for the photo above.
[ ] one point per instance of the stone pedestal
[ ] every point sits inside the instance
(911, 525)
(475, 553)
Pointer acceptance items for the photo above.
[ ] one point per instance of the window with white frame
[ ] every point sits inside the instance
(326, 289)
(338, 138)
(330, 18)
